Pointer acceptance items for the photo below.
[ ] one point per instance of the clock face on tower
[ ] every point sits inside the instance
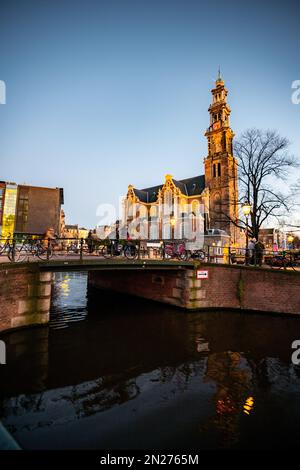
(216, 125)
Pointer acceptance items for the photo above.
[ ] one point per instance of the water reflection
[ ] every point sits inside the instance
(68, 303)
(134, 374)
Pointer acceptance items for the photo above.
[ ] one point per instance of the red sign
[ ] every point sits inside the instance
(202, 274)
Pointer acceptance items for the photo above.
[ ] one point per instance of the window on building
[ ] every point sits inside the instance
(219, 169)
(22, 212)
(214, 170)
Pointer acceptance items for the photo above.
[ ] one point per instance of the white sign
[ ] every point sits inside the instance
(153, 245)
(202, 274)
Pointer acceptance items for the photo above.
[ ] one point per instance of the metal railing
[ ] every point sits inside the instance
(33, 248)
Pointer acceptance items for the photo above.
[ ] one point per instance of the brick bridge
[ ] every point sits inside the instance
(25, 288)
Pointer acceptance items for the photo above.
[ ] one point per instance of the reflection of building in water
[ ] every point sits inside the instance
(64, 285)
(233, 378)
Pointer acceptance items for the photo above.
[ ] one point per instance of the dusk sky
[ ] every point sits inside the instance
(102, 94)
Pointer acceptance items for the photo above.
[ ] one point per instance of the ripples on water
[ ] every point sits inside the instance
(115, 372)
(69, 299)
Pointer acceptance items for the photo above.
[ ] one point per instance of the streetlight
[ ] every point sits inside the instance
(246, 208)
(173, 223)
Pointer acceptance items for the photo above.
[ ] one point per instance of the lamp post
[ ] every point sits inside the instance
(173, 223)
(246, 208)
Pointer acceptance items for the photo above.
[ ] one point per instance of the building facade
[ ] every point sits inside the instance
(271, 237)
(28, 209)
(205, 201)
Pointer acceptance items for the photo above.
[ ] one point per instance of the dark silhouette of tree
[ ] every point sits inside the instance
(263, 159)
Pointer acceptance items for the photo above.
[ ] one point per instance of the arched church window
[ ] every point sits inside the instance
(168, 197)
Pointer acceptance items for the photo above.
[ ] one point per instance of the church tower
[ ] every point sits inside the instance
(220, 164)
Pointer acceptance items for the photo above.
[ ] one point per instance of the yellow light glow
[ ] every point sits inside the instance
(173, 221)
(246, 208)
(248, 406)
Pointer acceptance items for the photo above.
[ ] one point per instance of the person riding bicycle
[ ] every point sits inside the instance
(48, 235)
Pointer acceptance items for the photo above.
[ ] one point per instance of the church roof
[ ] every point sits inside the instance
(189, 187)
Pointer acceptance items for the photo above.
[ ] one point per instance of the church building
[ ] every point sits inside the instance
(216, 191)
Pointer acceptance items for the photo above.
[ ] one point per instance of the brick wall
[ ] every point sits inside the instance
(25, 292)
(229, 287)
(24, 297)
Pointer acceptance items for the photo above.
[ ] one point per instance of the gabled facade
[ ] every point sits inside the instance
(215, 192)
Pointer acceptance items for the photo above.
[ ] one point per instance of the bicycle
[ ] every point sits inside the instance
(113, 249)
(42, 249)
(173, 250)
(283, 261)
(12, 251)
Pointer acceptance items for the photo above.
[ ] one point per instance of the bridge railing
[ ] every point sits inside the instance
(35, 248)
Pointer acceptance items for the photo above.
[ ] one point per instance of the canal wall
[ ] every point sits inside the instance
(227, 287)
(25, 295)
(25, 290)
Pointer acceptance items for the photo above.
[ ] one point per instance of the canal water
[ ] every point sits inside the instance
(112, 372)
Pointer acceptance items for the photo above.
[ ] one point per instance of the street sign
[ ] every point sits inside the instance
(202, 274)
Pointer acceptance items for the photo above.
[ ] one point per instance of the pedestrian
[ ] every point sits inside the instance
(259, 252)
(90, 242)
(251, 250)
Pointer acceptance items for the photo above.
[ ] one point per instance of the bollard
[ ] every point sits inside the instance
(81, 249)
(48, 250)
(13, 249)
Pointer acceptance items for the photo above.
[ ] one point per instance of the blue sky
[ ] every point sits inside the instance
(101, 94)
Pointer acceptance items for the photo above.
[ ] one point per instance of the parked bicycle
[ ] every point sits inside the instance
(283, 261)
(11, 249)
(110, 250)
(42, 249)
(175, 250)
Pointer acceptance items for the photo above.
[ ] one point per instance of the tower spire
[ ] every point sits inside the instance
(219, 79)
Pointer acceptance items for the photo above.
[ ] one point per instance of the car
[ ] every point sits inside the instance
(215, 231)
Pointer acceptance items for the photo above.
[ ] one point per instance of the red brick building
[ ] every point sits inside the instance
(29, 209)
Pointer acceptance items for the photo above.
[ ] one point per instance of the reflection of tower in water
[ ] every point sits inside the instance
(233, 378)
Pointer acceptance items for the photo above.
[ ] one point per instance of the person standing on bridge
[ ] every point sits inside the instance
(259, 252)
(90, 242)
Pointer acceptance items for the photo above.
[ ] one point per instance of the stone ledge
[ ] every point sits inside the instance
(188, 283)
(178, 293)
(29, 320)
(197, 294)
(45, 277)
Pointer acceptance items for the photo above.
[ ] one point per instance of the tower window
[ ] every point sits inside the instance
(219, 169)
(214, 170)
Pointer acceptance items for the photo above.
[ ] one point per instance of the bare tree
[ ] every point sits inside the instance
(263, 160)
(296, 191)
